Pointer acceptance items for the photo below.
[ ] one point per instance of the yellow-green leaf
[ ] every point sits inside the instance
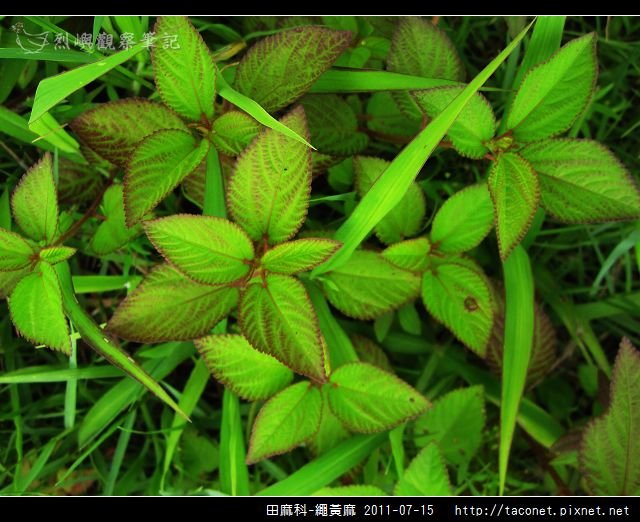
(299, 255)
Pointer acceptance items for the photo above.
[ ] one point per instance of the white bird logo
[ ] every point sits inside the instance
(30, 43)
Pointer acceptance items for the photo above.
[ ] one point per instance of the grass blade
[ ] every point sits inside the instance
(98, 284)
(391, 186)
(40, 374)
(518, 343)
(234, 475)
(71, 389)
(348, 81)
(118, 456)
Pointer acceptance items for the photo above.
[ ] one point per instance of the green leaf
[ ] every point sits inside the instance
(553, 94)
(456, 422)
(355, 490)
(114, 129)
(475, 125)
(210, 250)
(113, 232)
(78, 184)
(367, 286)
(269, 191)
(369, 352)
(610, 447)
(384, 117)
(419, 48)
(157, 166)
(15, 251)
(36, 310)
(426, 475)
(331, 431)
(186, 75)
(398, 177)
(458, 295)
(412, 254)
(287, 420)
(9, 279)
(280, 68)
(515, 190)
(299, 255)
(169, 306)
(233, 131)
(34, 202)
(463, 221)
(277, 318)
(403, 220)
(56, 254)
(367, 399)
(333, 125)
(251, 374)
(582, 181)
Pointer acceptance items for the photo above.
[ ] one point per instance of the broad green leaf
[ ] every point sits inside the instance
(280, 68)
(475, 125)
(113, 232)
(355, 490)
(15, 251)
(78, 184)
(299, 255)
(333, 125)
(412, 254)
(277, 318)
(426, 475)
(287, 420)
(463, 221)
(169, 306)
(249, 373)
(56, 254)
(405, 219)
(56, 88)
(582, 181)
(553, 94)
(420, 48)
(409, 319)
(208, 249)
(36, 310)
(369, 352)
(367, 399)
(367, 286)
(456, 422)
(458, 295)
(515, 191)
(35, 203)
(384, 117)
(114, 129)
(233, 131)
(269, 191)
(610, 445)
(184, 73)
(331, 431)
(9, 280)
(157, 166)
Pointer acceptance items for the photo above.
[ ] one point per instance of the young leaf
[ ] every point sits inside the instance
(249, 373)
(169, 306)
(210, 250)
(405, 219)
(426, 475)
(367, 399)
(269, 191)
(56, 254)
(367, 286)
(113, 232)
(515, 191)
(34, 202)
(277, 318)
(36, 310)
(456, 422)
(157, 166)
(331, 431)
(463, 221)
(553, 94)
(233, 131)
(458, 295)
(114, 129)
(287, 420)
(582, 181)
(15, 251)
(333, 125)
(411, 254)
(185, 74)
(475, 125)
(610, 447)
(299, 255)
(280, 68)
